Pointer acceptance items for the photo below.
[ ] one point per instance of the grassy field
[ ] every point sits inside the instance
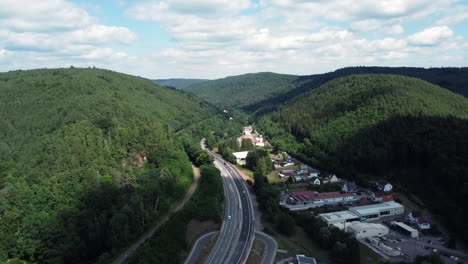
(246, 172)
(273, 175)
(299, 243)
(256, 253)
(368, 256)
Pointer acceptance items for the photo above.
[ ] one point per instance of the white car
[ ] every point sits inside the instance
(229, 217)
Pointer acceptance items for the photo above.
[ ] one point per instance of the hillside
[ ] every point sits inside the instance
(88, 159)
(243, 90)
(178, 83)
(263, 91)
(365, 126)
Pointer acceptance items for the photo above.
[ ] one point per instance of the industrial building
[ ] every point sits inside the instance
(340, 217)
(377, 211)
(406, 229)
(363, 230)
(311, 197)
(364, 213)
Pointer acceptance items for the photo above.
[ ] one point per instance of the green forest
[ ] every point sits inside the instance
(387, 126)
(260, 92)
(89, 159)
(178, 83)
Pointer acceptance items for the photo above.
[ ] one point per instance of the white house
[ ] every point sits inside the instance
(248, 130)
(388, 187)
(314, 172)
(349, 187)
(240, 157)
(316, 181)
(334, 179)
(423, 223)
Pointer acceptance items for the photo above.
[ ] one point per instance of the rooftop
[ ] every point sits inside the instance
(405, 226)
(240, 155)
(301, 259)
(311, 195)
(358, 226)
(373, 208)
(341, 215)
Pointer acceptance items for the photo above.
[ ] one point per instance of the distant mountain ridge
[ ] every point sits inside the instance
(179, 83)
(255, 91)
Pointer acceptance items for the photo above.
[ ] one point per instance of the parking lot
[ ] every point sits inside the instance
(412, 247)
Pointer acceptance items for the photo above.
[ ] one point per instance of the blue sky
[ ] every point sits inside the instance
(218, 38)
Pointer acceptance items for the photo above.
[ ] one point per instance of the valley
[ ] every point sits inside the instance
(95, 158)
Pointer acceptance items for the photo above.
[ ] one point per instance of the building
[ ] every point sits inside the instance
(313, 172)
(377, 211)
(240, 157)
(301, 259)
(247, 130)
(311, 197)
(384, 186)
(340, 217)
(383, 197)
(423, 223)
(349, 187)
(316, 181)
(406, 229)
(363, 230)
(333, 179)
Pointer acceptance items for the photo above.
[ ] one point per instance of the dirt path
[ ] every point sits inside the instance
(150, 233)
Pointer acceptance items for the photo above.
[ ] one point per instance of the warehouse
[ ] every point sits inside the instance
(363, 230)
(408, 230)
(377, 211)
(340, 217)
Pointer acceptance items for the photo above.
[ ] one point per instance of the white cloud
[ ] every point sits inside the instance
(431, 36)
(100, 34)
(43, 15)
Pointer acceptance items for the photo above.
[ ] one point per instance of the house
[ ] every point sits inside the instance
(349, 187)
(240, 157)
(225, 111)
(247, 130)
(333, 179)
(384, 186)
(412, 216)
(314, 172)
(302, 169)
(382, 197)
(286, 173)
(423, 223)
(316, 181)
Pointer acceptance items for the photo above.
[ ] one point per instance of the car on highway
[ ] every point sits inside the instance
(229, 217)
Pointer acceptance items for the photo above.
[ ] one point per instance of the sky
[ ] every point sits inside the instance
(217, 38)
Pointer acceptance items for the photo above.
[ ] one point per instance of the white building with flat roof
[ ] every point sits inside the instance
(376, 211)
(340, 217)
(240, 157)
(363, 230)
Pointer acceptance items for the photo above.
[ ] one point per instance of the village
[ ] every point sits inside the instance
(376, 216)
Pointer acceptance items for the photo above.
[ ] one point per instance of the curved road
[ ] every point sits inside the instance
(237, 231)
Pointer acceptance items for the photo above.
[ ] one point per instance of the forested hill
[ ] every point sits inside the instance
(265, 90)
(243, 90)
(366, 126)
(88, 158)
(178, 83)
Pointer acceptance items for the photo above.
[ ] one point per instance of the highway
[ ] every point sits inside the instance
(237, 231)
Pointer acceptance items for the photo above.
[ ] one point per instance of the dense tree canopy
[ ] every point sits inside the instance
(88, 160)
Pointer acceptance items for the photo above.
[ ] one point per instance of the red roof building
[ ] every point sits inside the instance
(315, 197)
